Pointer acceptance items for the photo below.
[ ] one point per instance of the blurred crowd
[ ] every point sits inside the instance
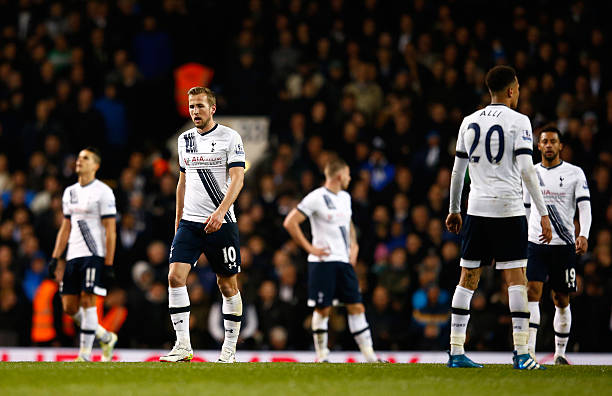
(383, 84)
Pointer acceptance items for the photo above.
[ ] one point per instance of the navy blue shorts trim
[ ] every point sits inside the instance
(221, 248)
(331, 280)
(83, 274)
(503, 239)
(555, 264)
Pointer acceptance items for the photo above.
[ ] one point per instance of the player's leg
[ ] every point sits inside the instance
(232, 315)
(347, 290)
(319, 326)
(89, 322)
(460, 316)
(517, 300)
(321, 292)
(185, 250)
(563, 282)
(360, 329)
(534, 294)
(473, 251)
(538, 261)
(562, 324)
(179, 308)
(107, 339)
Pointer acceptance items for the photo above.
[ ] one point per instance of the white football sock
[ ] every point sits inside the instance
(562, 324)
(517, 296)
(88, 328)
(232, 317)
(534, 324)
(460, 317)
(178, 303)
(319, 334)
(360, 330)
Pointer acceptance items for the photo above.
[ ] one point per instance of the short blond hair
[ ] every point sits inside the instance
(210, 95)
(334, 166)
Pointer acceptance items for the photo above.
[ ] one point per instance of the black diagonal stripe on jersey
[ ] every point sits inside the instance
(568, 235)
(87, 237)
(558, 225)
(328, 202)
(211, 193)
(218, 191)
(344, 236)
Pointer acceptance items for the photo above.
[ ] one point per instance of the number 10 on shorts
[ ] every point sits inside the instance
(229, 254)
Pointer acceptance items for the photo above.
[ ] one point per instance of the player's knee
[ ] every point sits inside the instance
(175, 280)
(226, 287)
(561, 300)
(533, 293)
(70, 309)
(355, 309)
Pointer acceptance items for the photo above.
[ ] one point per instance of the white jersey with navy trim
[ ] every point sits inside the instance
(563, 187)
(330, 222)
(206, 159)
(86, 206)
(491, 138)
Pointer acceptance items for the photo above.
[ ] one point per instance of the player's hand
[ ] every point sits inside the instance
(546, 235)
(214, 221)
(582, 245)
(108, 276)
(353, 254)
(52, 267)
(319, 252)
(454, 222)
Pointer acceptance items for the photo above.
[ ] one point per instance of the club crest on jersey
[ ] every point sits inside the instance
(527, 135)
(74, 198)
(212, 147)
(561, 178)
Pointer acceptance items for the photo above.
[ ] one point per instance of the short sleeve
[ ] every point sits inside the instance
(523, 137)
(581, 190)
(308, 205)
(235, 155)
(460, 150)
(107, 204)
(181, 148)
(66, 204)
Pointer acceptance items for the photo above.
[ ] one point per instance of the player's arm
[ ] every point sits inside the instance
(583, 201)
(61, 241)
(453, 220)
(526, 201)
(292, 225)
(215, 220)
(354, 249)
(110, 226)
(180, 199)
(530, 178)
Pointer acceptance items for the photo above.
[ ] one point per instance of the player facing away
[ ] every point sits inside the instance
(332, 255)
(564, 187)
(496, 144)
(89, 231)
(212, 163)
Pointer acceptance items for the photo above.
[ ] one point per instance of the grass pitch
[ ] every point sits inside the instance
(280, 379)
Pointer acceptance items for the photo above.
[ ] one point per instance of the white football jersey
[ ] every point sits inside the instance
(491, 138)
(86, 206)
(206, 160)
(330, 222)
(563, 186)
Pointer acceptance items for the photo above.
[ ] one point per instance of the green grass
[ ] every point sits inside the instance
(280, 379)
